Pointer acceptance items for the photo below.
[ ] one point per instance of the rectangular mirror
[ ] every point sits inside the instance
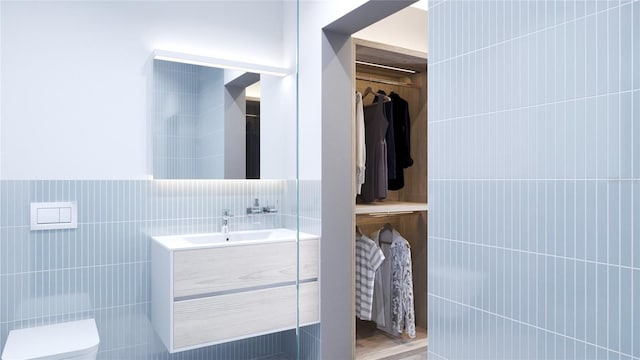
(206, 120)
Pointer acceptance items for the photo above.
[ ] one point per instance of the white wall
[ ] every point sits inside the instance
(406, 28)
(277, 127)
(74, 96)
(235, 105)
(314, 16)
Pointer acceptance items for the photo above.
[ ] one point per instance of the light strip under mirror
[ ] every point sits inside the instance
(193, 59)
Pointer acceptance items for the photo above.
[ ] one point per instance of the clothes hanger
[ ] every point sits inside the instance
(386, 227)
(368, 91)
(383, 94)
(385, 98)
(358, 231)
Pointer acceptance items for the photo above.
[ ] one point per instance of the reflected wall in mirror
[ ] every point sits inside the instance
(206, 122)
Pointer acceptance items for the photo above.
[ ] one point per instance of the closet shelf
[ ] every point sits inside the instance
(390, 208)
(379, 53)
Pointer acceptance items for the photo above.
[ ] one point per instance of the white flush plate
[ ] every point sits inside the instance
(54, 215)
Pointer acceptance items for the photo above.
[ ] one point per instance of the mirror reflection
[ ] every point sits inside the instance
(206, 122)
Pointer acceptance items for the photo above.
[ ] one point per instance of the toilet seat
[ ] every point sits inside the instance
(53, 342)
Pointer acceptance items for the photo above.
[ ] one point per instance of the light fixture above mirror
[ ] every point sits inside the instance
(207, 61)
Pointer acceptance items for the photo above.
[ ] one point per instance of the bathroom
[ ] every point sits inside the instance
(533, 170)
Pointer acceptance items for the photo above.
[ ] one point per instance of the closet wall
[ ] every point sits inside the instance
(412, 88)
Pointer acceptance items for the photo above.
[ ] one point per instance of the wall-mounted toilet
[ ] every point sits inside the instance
(74, 340)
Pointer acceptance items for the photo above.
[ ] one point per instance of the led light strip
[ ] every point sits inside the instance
(386, 67)
(217, 63)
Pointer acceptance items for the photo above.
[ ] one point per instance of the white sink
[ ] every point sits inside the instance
(195, 241)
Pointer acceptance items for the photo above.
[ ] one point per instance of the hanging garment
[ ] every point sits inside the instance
(361, 150)
(402, 306)
(389, 137)
(368, 259)
(402, 134)
(375, 126)
(378, 311)
(385, 239)
(397, 283)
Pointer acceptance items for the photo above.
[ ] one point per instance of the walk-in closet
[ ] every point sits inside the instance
(391, 204)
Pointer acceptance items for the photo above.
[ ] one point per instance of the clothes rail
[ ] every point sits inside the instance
(388, 82)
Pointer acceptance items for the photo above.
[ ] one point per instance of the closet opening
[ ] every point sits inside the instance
(391, 209)
(391, 200)
(383, 37)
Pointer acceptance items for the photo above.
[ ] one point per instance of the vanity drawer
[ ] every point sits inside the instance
(218, 269)
(228, 317)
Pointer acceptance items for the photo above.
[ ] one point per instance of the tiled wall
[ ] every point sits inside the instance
(210, 124)
(309, 348)
(101, 269)
(310, 221)
(175, 120)
(534, 189)
(309, 206)
(188, 121)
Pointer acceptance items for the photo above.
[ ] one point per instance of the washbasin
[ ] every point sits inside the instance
(194, 241)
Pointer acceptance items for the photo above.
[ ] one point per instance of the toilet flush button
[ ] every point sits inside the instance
(54, 215)
(48, 216)
(65, 214)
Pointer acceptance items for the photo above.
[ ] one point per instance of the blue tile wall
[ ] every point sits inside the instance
(175, 120)
(188, 121)
(310, 342)
(534, 179)
(309, 348)
(310, 209)
(210, 124)
(308, 206)
(101, 269)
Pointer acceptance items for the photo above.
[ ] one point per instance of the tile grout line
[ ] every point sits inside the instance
(536, 253)
(543, 29)
(533, 106)
(529, 325)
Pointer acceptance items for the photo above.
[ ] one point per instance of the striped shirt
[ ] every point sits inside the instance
(368, 258)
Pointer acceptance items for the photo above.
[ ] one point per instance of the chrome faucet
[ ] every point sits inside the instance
(225, 221)
(255, 209)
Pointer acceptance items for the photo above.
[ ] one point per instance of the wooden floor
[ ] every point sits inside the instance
(373, 344)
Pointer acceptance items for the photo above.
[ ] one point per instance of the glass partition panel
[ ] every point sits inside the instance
(173, 255)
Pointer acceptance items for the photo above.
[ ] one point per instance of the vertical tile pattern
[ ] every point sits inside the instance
(188, 121)
(101, 269)
(309, 215)
(210, 137)
(175, 120)
(534, 165)
(308, 205)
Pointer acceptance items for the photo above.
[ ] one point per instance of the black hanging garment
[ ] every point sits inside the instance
(402, 137)
(375, 173)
